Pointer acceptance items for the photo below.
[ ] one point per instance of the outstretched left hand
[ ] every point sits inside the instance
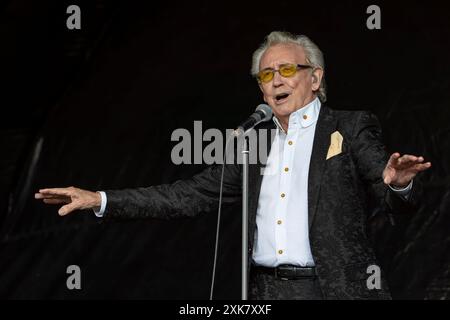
(399, 171)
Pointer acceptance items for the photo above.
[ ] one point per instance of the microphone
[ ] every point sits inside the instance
(262, 113)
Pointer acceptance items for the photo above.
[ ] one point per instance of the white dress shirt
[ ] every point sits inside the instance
(281, 235)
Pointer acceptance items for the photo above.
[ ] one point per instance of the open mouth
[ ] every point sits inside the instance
(281, 97)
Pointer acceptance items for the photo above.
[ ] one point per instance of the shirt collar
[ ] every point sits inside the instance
(303, 117)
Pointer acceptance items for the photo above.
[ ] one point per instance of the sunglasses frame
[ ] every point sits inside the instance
(298, 67)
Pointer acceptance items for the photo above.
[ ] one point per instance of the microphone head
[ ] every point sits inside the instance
(264, 108)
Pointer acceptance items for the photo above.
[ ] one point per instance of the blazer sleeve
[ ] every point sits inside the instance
(184, 198)
(370, 158)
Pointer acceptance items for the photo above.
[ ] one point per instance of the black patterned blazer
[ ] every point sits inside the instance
(340, 190)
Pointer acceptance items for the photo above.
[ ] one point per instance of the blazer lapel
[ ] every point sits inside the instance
(326, 125)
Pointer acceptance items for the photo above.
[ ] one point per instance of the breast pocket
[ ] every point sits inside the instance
(338, 156)
(338, 171)
(340, 160)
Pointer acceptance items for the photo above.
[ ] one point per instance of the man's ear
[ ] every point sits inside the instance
(317, 75)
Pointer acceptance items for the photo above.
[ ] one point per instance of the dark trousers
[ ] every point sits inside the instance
(264, 286)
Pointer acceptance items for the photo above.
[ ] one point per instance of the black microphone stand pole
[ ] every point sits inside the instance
(245, 157)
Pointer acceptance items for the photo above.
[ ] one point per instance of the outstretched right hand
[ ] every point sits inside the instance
(73, 198)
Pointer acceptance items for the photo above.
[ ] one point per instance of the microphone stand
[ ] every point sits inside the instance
(245, 157)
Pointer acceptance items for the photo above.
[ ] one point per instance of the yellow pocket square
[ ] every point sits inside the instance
(335, 145)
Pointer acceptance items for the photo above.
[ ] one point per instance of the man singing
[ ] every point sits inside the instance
(307, 219)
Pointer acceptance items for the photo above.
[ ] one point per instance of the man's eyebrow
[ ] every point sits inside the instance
(279, 65)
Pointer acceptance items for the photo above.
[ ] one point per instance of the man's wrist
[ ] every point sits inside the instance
(97, 200)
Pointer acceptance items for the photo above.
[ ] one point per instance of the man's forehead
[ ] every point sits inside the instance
(282, 53)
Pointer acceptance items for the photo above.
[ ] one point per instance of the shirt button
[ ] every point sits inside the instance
(280, 251)
(283, 195)
(279, 221)
(305, 116)
(286, 169)
(290, 142)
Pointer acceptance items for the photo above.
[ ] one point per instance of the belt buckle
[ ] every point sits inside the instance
(284, 278)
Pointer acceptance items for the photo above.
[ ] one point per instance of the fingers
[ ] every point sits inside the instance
(68, 208)
(56, 201)
(55, 193)
(49, 196)
(393, 158)
(409, 158)
(406, 160)
(422, 166)
(58, 191)
(387, 179)
(395, 155)
(413, 163)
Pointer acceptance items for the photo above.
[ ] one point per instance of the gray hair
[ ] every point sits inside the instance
(314, 56)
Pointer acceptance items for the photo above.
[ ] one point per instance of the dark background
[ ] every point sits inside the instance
(95, 108)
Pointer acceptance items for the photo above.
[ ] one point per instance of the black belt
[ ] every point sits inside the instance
(287, 271)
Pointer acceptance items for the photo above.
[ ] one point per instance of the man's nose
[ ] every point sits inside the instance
(277, 79)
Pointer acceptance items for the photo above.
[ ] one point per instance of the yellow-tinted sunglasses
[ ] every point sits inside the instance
(285, 70)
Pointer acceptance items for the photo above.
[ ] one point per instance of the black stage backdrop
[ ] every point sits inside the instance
(95, 108)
